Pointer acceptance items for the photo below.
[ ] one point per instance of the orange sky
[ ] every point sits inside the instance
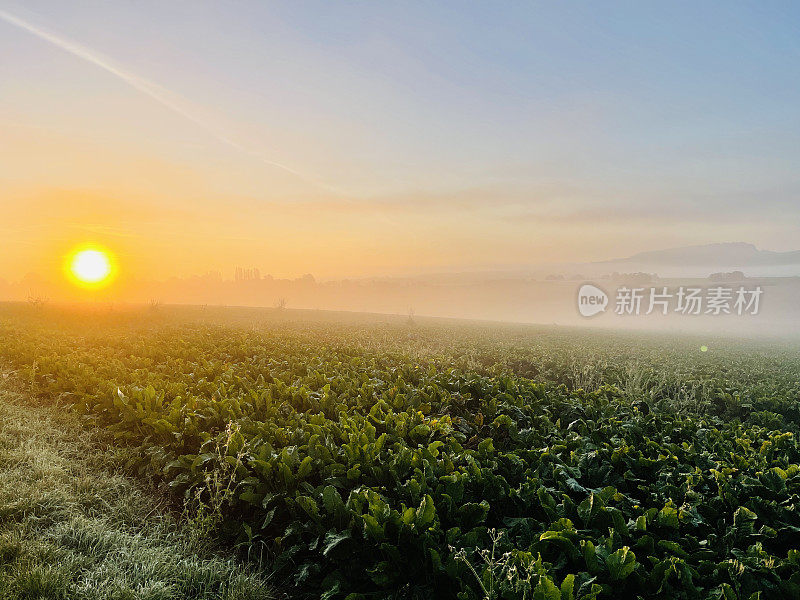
(348, 145)
(166, 218)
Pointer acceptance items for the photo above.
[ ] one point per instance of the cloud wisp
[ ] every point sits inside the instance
(160, 94)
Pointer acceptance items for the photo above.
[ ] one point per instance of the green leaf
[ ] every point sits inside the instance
(621, 563)
(587, 509)
(619, 524)
(590, 556)
(433, 448)
(426, 512)
(305, 468)
(743, 515)
(308, 505)
(473, 514)
(673, 547)
(436, 559)
(546, 589)
(250, 497)
(568, 587)
(374, 529)
(668, 516)
(336, 543)
(727, 592)
(561, 541)
(268, 519)
(331, 585)
(420, 431)
(641, 523)
(332, 500)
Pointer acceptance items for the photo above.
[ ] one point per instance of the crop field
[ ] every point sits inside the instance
(358, 456)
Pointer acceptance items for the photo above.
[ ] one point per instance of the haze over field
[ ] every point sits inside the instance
(419, 143)
(399, 300)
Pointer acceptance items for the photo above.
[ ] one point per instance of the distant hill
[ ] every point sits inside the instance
(730, 254)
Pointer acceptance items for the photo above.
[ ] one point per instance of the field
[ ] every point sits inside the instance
(358, 456)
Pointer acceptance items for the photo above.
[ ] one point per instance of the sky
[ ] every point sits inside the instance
(383, 138)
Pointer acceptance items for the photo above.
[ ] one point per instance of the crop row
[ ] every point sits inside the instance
(376, 462)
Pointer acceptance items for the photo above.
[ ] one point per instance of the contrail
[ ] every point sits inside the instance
(158, 93)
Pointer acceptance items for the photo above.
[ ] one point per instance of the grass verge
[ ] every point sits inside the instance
(73, 528)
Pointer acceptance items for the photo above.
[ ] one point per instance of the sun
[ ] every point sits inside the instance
(90, 267)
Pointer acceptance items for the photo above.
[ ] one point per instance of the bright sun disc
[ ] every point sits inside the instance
(90, 266)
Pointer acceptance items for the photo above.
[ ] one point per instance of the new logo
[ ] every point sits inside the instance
(591, 300)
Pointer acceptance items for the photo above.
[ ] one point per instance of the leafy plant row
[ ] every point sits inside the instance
(372, 462)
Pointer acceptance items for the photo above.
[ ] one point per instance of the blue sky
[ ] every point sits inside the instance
(304, 133)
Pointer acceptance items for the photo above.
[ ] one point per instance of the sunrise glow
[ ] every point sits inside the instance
(90, 267)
